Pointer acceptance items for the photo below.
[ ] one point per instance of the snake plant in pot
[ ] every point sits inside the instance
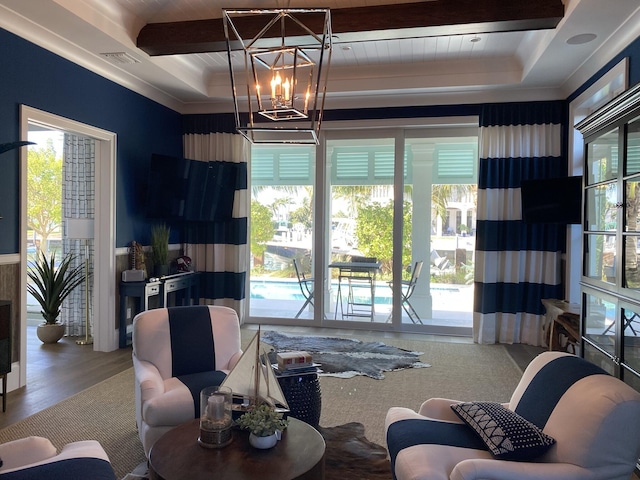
(50, 286)
(160, 249)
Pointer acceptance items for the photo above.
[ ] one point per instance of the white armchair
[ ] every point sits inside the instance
(36, 457)
(593, 417)
(177, 352)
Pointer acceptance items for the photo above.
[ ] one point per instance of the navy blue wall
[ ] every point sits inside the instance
(633, 52)
(38, 78)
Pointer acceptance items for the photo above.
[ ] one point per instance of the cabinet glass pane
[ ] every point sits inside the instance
(596, 357)
(599, 322)
(600, 255)
(631, 268)
(632, 205)
(631, 332)
(633, 147)
(602, 213)
(602, 158)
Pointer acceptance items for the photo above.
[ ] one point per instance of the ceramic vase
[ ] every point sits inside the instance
(50, 333)
(263, 442)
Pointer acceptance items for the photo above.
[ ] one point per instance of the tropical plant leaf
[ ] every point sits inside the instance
(5, 147)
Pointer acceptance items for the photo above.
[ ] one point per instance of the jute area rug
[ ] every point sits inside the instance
(105, 412)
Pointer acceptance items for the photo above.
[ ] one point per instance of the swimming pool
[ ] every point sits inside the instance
(282, 289)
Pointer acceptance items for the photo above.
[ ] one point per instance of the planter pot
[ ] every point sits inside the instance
(50, 333)
(263, 442)
(161, 270)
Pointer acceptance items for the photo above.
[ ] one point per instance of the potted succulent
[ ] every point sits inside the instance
(50, 286)
(264, 424)
(160, 249)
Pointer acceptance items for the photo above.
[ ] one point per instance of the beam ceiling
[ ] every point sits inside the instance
(383, 22)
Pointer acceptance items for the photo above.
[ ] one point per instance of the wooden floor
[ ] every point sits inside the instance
(58, 371)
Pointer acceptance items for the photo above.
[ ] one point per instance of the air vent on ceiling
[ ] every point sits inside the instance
(120, 58)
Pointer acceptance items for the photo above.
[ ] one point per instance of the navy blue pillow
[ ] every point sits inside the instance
(507, 435)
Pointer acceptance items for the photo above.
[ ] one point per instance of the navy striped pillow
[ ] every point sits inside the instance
(507, 435)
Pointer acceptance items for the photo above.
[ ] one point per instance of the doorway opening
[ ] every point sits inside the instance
(60, 217)
(102, 252)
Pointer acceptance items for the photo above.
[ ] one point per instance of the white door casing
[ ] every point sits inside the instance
(104, 333)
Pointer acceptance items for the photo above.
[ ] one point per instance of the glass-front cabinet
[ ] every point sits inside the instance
(611, 238)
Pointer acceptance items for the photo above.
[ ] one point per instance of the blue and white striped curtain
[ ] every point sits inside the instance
(219, 249)
(78, 202)
(517, 264)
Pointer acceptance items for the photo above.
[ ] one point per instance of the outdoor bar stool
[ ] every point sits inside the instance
(360, 284)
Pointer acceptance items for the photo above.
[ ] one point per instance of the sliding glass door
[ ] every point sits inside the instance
(281, 232)
(359, 225)
(442, 189)
(368, 230)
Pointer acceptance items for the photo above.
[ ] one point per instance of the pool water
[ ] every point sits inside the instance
(290, 290)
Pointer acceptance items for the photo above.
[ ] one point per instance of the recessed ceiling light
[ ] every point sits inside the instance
(581, 39)
(346, 48)
(475, 39)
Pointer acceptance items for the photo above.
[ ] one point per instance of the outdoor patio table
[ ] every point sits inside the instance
(346, 270)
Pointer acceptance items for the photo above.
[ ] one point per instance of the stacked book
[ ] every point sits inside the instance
(294, 362)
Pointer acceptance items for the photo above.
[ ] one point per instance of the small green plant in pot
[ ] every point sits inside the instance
(160, 249)
(50, 286)
(264, 424)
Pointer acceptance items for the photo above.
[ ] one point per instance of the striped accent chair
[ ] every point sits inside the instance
(36, 457)
(592, 418)
(177, 352)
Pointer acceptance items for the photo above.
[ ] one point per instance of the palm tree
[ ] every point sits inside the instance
(442, 193)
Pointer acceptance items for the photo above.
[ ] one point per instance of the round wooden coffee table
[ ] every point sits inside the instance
(298, 455)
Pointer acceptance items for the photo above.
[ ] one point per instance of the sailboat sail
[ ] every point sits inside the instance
(252, 379)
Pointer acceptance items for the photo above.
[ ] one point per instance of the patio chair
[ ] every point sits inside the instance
(408, 286)
(306, 287)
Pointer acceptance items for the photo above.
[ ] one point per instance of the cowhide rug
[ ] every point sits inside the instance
(345, 357)
(348, 455)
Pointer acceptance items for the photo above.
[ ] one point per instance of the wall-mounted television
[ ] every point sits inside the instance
(165, 188)
(552, 200)
(190, 190)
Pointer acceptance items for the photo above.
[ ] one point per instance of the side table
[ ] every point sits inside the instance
(555, 307)
(302, 392)
(141, 292)
(177, 455)
(567, 324)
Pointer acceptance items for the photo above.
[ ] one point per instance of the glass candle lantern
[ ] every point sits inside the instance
(215, 417)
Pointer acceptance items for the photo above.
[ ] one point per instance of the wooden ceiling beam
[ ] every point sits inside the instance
(405, 20)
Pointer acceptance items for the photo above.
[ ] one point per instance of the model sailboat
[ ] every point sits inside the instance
(253, 379)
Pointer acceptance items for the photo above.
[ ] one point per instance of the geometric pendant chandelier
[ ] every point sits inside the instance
(279, 63)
